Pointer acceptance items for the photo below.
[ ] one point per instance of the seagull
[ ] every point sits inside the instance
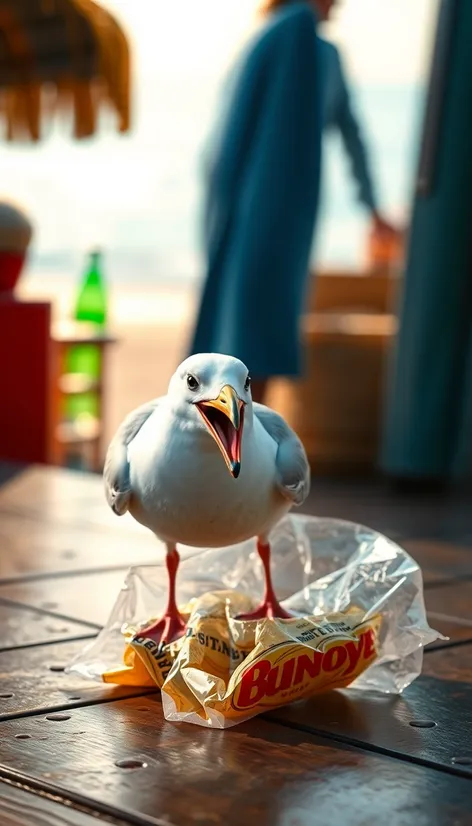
(205, 466)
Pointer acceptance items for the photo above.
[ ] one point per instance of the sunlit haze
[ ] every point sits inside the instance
(138, 196)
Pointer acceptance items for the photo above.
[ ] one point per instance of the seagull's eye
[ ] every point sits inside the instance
(247, 383)
(192, 383)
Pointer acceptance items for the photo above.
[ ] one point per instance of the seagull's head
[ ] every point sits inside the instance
(213, 392)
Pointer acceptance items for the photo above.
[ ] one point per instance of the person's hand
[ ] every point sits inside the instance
(385, 244)
(384, 231)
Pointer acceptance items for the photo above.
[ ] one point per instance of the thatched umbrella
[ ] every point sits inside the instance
(67, 55)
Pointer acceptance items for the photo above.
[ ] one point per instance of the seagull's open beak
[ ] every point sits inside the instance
(224, 418)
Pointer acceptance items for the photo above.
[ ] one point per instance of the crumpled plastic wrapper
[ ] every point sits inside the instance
(359, 621)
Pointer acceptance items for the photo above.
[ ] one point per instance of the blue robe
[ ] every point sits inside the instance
(261, 199)
(428, 431)
(340, 116)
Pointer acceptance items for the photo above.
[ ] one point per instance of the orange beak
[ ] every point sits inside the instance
(224, 418)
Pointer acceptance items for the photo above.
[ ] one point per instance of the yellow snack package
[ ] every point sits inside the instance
(358, 619)
(225, 671)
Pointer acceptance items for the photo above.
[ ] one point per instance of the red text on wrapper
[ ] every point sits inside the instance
(264, 681)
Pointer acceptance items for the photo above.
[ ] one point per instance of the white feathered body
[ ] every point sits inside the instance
(166, 468)
(182, 491)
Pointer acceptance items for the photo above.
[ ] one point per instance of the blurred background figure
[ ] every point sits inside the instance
(132, 187)
(340, 115)
(261, 198)
(250, 307)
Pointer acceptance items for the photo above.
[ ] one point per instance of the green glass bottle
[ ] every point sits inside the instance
(91, 307)
(91, 302)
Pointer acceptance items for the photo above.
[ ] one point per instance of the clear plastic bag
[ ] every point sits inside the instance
(323, 570)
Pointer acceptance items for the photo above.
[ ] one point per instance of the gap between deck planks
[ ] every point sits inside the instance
(39, 809)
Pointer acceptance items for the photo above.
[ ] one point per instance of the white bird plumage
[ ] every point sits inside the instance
(165, 465)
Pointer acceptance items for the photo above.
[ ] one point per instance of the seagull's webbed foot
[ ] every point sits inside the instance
(166, 630)
(172, 625)
(270, 606)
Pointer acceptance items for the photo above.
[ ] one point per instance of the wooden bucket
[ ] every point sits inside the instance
(345, 291)
(336, 409)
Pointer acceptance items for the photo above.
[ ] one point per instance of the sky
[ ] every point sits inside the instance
(385, 41)
(143, 190)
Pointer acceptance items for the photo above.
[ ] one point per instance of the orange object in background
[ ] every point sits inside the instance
(384, 252)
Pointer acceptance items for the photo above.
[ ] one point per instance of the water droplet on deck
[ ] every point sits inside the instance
(131, 763)
(423, 723)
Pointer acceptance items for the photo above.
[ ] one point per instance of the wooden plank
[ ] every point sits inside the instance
(450, 610)
(335, 407)
(66, 497)
(257, 773)
(30, 547)
(21, 806)
(453, 600)
(87, 597)
(455, 630)
(428, 723)
(71, 499)
(23, 626)
(441, 519)
(450, 663)
(447, 560)
(32, 680)
(339, 290)
(77, 498)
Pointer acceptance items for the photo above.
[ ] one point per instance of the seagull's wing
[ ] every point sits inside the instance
(293, 470)
(116, 470)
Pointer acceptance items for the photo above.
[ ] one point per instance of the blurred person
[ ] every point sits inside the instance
(263, 183)
(261, 197)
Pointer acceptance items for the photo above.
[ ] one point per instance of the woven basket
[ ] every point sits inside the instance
(336, 409)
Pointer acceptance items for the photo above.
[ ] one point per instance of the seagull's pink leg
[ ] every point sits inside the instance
(270, 606)
(172, 625)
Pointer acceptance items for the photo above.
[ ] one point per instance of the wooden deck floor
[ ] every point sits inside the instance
(74, 753)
